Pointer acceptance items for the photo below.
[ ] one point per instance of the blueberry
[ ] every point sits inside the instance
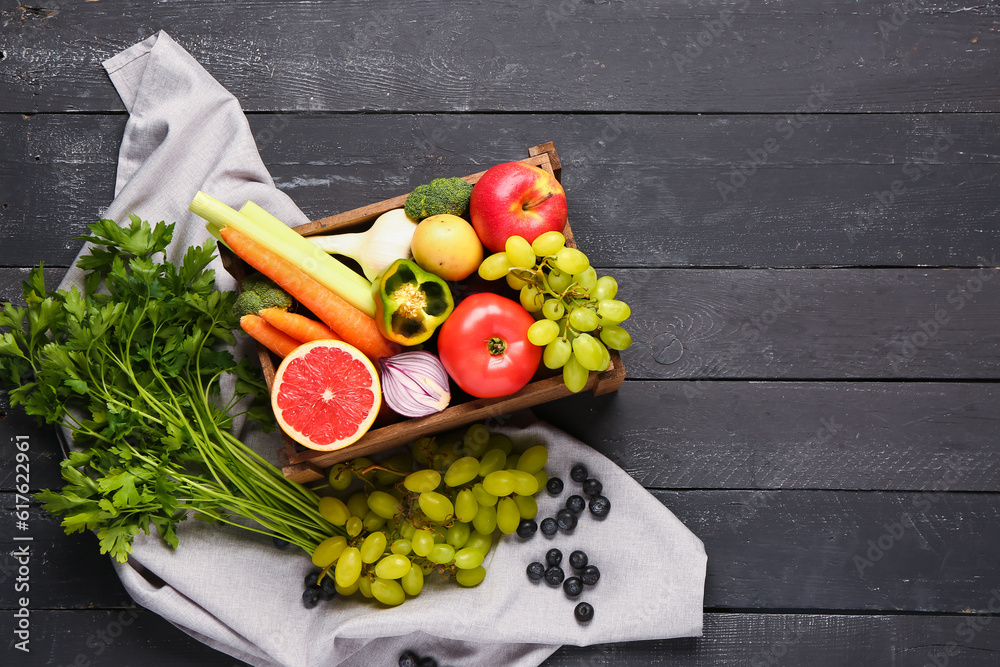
(566, 520)
(527, 528)
(590, 575)
(278, 542)
(549, 526)
(584, 612)
(310, 597)
(600, 506)
(592, 487)
(553, 556)
(554, 486)
(576, 504)
(427, 662)
(536, 571)
(408, 659)
(554, 575)
(578, 560)
(579, 473)
(328, 589)
(573, 586)
(312, 579)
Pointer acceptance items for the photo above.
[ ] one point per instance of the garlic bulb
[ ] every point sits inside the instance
(386, 241)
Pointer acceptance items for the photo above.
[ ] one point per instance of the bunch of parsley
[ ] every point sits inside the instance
(132, 367)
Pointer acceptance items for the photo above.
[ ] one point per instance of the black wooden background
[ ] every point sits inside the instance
(799, 199)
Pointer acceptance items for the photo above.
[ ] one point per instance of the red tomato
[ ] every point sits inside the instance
(484, 346)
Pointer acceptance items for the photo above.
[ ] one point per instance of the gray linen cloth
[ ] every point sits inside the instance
(234, 591)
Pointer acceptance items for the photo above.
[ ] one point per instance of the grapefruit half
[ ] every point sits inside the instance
(326, 394)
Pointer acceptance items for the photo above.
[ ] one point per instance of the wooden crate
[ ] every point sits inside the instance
(305, 465)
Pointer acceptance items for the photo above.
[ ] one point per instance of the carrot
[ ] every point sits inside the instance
(355, 327)
(278, 342)
(297, 326)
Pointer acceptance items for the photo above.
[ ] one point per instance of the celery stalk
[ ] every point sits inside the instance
(263, 228)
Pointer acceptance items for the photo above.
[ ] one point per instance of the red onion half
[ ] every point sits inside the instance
(414, 384)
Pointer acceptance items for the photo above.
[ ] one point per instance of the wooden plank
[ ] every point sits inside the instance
(644, 190)
(890, 436)
(727, 55)
(763, 640)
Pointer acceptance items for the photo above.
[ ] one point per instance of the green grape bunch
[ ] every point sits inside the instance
(578, 317)
(434, 508)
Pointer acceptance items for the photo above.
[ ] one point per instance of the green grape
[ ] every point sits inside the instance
(542, 478)
(486, 519)
(476, 440)
(436, 506)
(605, 288)
(507, 515)
(587, 279)
(423, 542)
(519, 253)
(347, 591)
(392, 566)
(383, 504)
(413, 581)
(470, 578)
(571, 260)
(525, 483)
(422, 480)
(512, 461)
(373, 521)
(557, 353)
(365, 586)
(406, 531)
(388, 591)
(441, 554)
(559, 280)
(533, 459)
(423, 448)
(329, 551)
(373, 547)
(499, 483)
(543, 332)
(401, 462)
(553, 309)
(334, 510)
(605, 359)
(574, 375)
(458, 534)
(516, 282)
(500, 441)
(548, 243)
(613, 310)
(494, 267)
(531, 299)
(483, 497)
(354, 526)
(466, 559)
(401, 547)
(480, 541)
(466, 506)
(445, 456)
(340, 477)
(583, 319)
(462, 471)
(348, 567)
(358, 504)
(493, 460)
(527, 506)
(362, 463)
(615, 337)
(587, 352)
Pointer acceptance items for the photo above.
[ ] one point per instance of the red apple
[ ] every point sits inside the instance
(516, 199)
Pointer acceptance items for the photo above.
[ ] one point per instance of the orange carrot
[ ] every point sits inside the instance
(354, 326)
(278, 342)
(297, 326)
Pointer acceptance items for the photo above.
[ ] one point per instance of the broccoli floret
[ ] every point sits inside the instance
(257, 293)
(442, 195)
